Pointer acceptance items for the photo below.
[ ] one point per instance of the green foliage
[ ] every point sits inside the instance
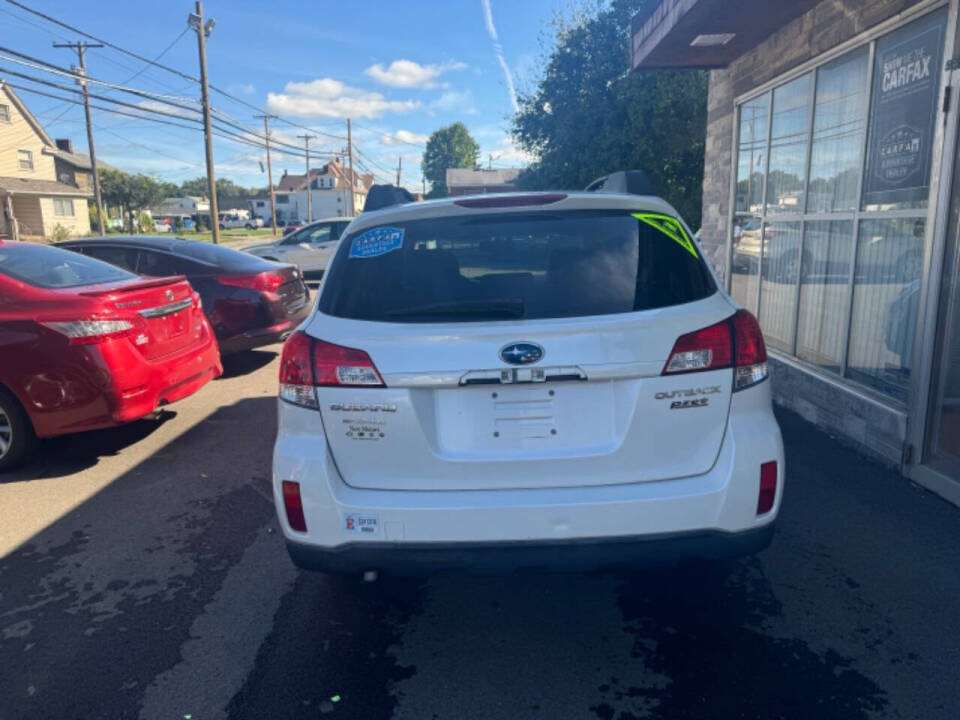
(589, 115)
(178, 224)
(145, 222)
(131, 192)
(94, 217)
(448, 147)
(199, 187)
(60, 233)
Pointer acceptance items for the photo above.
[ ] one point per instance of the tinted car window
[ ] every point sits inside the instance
(543, 265)
(48, 267)
(218, 256)
(156, 264)
(125, 258)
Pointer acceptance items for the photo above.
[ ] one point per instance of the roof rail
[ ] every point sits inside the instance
(381, 196)
(633, 182)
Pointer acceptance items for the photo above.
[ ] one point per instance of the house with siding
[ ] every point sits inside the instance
(42, 186)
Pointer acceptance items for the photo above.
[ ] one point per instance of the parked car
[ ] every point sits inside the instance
(524, 380)
(250, 302)
(230, 221)
(87, 345)
(309, 247)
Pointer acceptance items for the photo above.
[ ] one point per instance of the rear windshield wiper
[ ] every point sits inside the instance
(485, 308)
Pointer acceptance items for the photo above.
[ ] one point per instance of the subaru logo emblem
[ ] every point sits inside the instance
(521, 353)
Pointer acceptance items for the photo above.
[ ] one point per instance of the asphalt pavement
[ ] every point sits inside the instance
(142, 575)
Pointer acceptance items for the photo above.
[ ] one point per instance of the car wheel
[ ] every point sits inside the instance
(248, 226)
(222, 227)
(16, 432)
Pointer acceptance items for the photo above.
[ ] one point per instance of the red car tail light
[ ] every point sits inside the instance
(293, 504)
(268, 281)
(736, 342)
(94, 330)
(768, 487)
(306, 363)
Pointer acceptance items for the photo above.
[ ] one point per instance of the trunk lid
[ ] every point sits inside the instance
(168, 315)
(603, 413)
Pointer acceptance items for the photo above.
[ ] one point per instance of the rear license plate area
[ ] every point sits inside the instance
(523, 413)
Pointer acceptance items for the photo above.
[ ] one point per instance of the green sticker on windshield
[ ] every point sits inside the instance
(670, 227)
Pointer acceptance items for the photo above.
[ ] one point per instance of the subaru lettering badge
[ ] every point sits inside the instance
(521, 353)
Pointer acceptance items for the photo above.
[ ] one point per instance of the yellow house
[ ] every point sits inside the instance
(34, 197)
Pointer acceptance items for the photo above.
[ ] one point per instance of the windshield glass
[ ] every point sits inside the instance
(49, 267)
(513, 265)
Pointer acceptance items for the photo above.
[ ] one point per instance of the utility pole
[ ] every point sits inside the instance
(195, 20)
(353, 205)
(80, 47)
(306, 141)
(423, 182)
(273, 199)
(399, 168)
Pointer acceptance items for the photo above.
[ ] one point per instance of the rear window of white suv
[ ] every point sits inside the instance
(515, 265)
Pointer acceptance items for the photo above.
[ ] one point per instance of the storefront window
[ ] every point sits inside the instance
(839, 119)
(824, 292)
(831, 261)
(789, 134)
(778, 292)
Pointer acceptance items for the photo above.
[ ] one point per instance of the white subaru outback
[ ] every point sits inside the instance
(548, 380)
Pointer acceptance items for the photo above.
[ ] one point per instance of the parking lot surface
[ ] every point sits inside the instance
(143, 576)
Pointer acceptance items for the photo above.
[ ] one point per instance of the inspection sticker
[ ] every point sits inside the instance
(374, 243)
(362, 524)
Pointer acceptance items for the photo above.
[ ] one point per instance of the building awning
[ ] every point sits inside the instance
(676, 34)
(28, 186)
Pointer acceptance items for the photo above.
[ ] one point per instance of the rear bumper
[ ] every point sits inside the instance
(569, 556)
(258, 337)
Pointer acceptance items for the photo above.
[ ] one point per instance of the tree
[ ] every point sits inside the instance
(589, 116)
(131, 193)
(226, 188)
(448, 147)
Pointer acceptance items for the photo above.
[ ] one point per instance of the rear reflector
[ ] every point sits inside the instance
(768, 487)
(736, 342)
(307, 363)
(512, 201)
(294, 506)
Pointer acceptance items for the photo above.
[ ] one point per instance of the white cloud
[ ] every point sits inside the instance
(498, 51)
(326, 97)
(454, 101)
(404, 136)
(409, 74)
(507, 153)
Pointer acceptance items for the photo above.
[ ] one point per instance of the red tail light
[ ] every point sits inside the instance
(268, 281)
(95, 330)
(306, 363)
(294, 506)
(768, 487)
(736, 342)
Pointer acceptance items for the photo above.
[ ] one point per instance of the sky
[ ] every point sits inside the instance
(399, 69)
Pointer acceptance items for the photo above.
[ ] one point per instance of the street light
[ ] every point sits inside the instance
(194, 21)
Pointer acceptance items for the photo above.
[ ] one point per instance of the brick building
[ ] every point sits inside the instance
(831, 206)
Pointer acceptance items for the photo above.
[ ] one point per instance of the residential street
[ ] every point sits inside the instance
(154, 584)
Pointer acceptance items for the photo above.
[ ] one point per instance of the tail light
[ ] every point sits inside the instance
(267, 281)
(93, 331)
(293, 504)
(768, 487)
(736, 342)
(307, 363)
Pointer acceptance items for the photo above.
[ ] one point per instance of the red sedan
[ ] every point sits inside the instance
(86, 345)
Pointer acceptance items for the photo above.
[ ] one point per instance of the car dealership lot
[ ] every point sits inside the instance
(150, 581)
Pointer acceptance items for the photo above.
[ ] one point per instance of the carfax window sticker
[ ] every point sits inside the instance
(670, 227)
(376, 242)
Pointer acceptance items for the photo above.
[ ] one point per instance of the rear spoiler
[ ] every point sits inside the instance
(129, 287)
(632, 182)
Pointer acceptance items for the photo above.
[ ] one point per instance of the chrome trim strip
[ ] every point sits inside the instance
(164, 310)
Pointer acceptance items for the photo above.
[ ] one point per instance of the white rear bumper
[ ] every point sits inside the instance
(337, 515)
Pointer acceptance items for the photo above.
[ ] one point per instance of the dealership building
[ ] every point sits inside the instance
(831, 205)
